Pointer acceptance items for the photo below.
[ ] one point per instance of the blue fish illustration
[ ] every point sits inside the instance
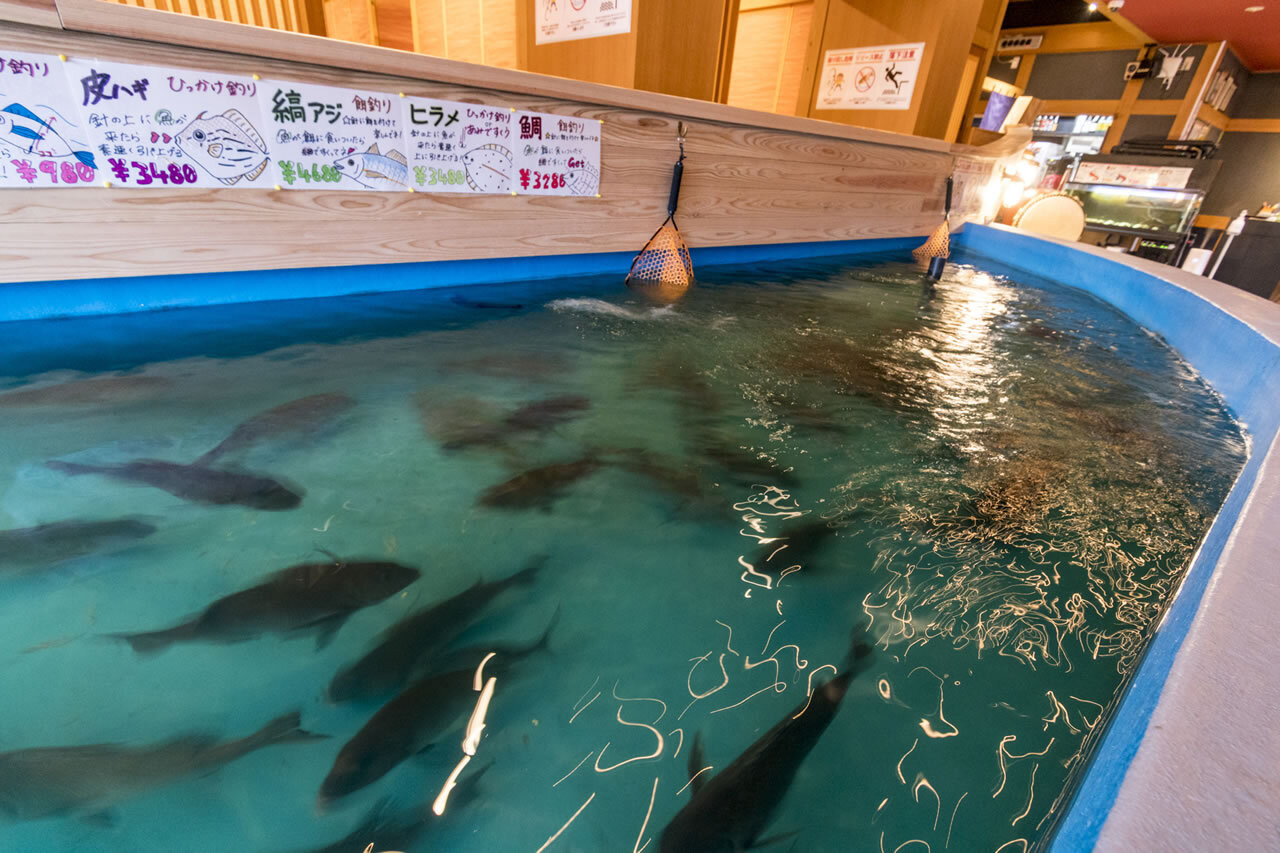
(34, 135)
(374, 169)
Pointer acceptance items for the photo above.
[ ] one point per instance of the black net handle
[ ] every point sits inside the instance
(947, 206)
(677, 173)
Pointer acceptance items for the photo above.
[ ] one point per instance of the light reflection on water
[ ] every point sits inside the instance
(1002, 480)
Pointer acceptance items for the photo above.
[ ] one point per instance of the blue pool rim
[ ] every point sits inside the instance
(96, 296)
(1240, 362)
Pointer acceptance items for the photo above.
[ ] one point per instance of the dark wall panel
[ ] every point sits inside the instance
(1250, 173)
(1153, 88)
(1001, 71)
(1064, 76)
(1233, 66)
(1260, 97)
(1140, 126)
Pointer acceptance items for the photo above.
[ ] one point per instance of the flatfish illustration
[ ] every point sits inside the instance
(374, 169)
(583, 180)
(488, 168)
(21, 127)
(226, 146)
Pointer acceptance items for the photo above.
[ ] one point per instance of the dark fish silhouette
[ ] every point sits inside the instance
(316, 597)
(108, 389)
(505, 653)
(795, 543)
(537, 416)
(537, 487)
(194, 482)
(667, 475)
(407, 646)
(47, 545)
(88, 780)
(744, 467)
(467, 302)
(387, 828)
(727, 813)
(407, 725)
(301, 416)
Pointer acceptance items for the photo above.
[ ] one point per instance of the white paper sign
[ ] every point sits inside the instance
(487, 156)
(566, 20)
(43, 142)
(557, 155)
(162, 127)
(322, 137)
(434, 132)
(870, 78)
(1133, 175)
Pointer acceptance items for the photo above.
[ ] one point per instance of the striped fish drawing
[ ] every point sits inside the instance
(375, 170)
(583, 180)
(226, 146)
(33, 135)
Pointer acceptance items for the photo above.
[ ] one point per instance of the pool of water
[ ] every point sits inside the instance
(683, 521)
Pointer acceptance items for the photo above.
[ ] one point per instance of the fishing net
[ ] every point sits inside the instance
(939, 243)
(663, 270)
(663, 260)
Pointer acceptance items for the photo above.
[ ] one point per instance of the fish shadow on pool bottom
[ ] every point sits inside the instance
(195, 483)
(46, 546)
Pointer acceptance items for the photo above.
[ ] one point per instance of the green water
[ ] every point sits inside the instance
(1000, 481)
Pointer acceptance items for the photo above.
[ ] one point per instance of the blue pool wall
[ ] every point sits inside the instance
(1243, 364)
(93, 296)
(1239, 360)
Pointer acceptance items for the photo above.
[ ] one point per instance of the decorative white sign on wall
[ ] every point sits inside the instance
(870, 78)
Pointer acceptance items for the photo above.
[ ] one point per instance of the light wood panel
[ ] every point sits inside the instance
(480, 31)
(288, 15)
(610, 60)
(945, 26)
(42, 13)
(744, 184)
(394, 19)
(351, 20)
(769, 53)
(679, 45)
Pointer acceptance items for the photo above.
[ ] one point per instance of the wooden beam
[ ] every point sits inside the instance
(39, 13)
(1129, 27)
(1253, 125)
(1081, 107)
(1077, 38)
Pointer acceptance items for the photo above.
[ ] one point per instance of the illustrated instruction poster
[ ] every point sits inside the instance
(870, 78)
(158, 127)
(566, 20)
(43, 142)
(327, 137)
(557, 155)
(435, 131)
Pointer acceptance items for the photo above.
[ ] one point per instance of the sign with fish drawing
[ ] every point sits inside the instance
(557, 155)
(162, 127)
(43, 142)
(434, 131)
(487, 142)
(323, 137)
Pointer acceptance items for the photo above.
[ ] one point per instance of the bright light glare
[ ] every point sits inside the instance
(1013, 190)
(1093, 7)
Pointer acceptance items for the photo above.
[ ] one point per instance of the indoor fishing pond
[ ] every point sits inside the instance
(823, 556)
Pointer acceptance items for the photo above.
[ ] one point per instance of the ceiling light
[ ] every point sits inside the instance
(1254, 8)
(1093, 7)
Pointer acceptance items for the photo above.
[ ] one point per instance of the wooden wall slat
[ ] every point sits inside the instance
(743, 185)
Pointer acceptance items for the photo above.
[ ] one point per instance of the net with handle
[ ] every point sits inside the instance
(663, 269)
(939, 243)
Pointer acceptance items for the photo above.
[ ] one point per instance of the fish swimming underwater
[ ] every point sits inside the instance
(488, 168)
(47, 545)
(374, 169)
(88, 780)
(226, 146)
(193, 482)
(104, 390)
(306, 414)
(538, 416)
(537, 487)
(310, 597)
(34, 135)
(407, 725)
(727, 813)
(405, 648)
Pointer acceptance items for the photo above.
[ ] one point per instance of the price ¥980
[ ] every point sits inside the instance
(64, 171)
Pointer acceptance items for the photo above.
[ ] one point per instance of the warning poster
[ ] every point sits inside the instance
(565, 20)
(870, 78)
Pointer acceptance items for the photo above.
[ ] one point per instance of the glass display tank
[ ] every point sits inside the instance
(1142, 211)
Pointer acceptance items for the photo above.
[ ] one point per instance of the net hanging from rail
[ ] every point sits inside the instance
(664, 269)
